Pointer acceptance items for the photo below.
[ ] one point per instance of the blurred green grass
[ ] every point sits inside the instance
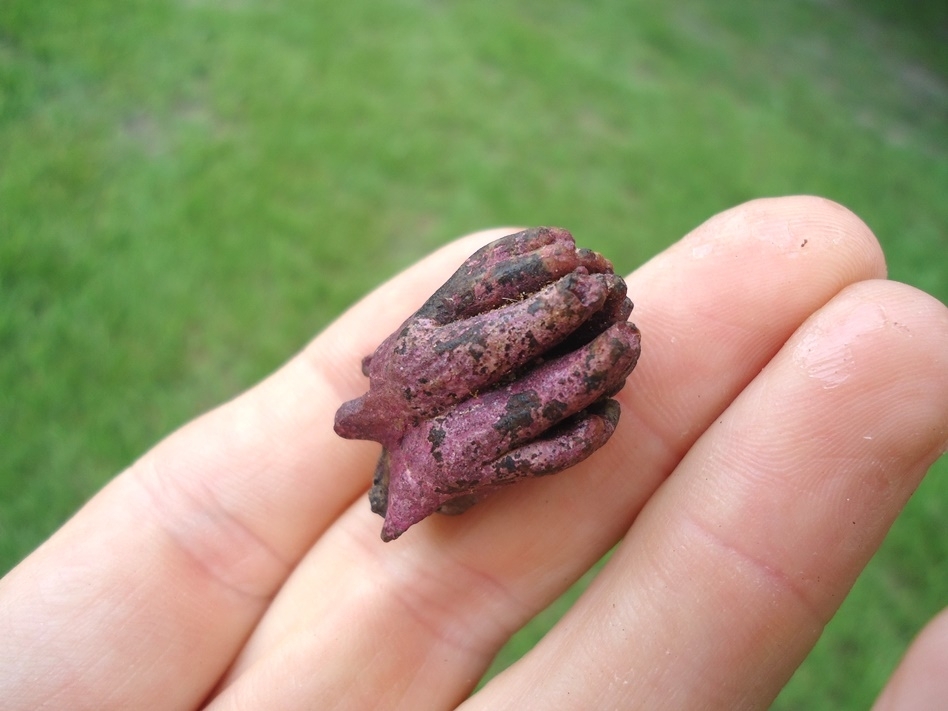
(190, 190)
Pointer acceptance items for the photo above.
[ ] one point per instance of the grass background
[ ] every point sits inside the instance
(190, 190)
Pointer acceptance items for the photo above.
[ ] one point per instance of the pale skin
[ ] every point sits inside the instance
(787, 403)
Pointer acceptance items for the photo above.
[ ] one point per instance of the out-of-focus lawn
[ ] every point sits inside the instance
(190, 190)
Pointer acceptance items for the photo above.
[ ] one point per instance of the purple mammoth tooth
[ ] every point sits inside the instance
(506, 372)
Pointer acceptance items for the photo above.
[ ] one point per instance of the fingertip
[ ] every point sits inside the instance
(769, 239)
(919, 682)
(797, 223)
(873, 329)
(907, 348)
(831, 221)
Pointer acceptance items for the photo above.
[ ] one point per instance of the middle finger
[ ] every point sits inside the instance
(415, 622)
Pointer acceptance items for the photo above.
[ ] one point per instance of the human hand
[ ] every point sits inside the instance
(769, 436)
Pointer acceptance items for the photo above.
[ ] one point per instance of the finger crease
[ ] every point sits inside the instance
(455, 603)
(222, 547)
(776, 576)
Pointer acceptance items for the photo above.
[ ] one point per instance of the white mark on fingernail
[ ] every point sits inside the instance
(825, 351)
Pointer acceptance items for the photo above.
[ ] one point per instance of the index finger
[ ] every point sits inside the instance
(175, 560)
(712, 310)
